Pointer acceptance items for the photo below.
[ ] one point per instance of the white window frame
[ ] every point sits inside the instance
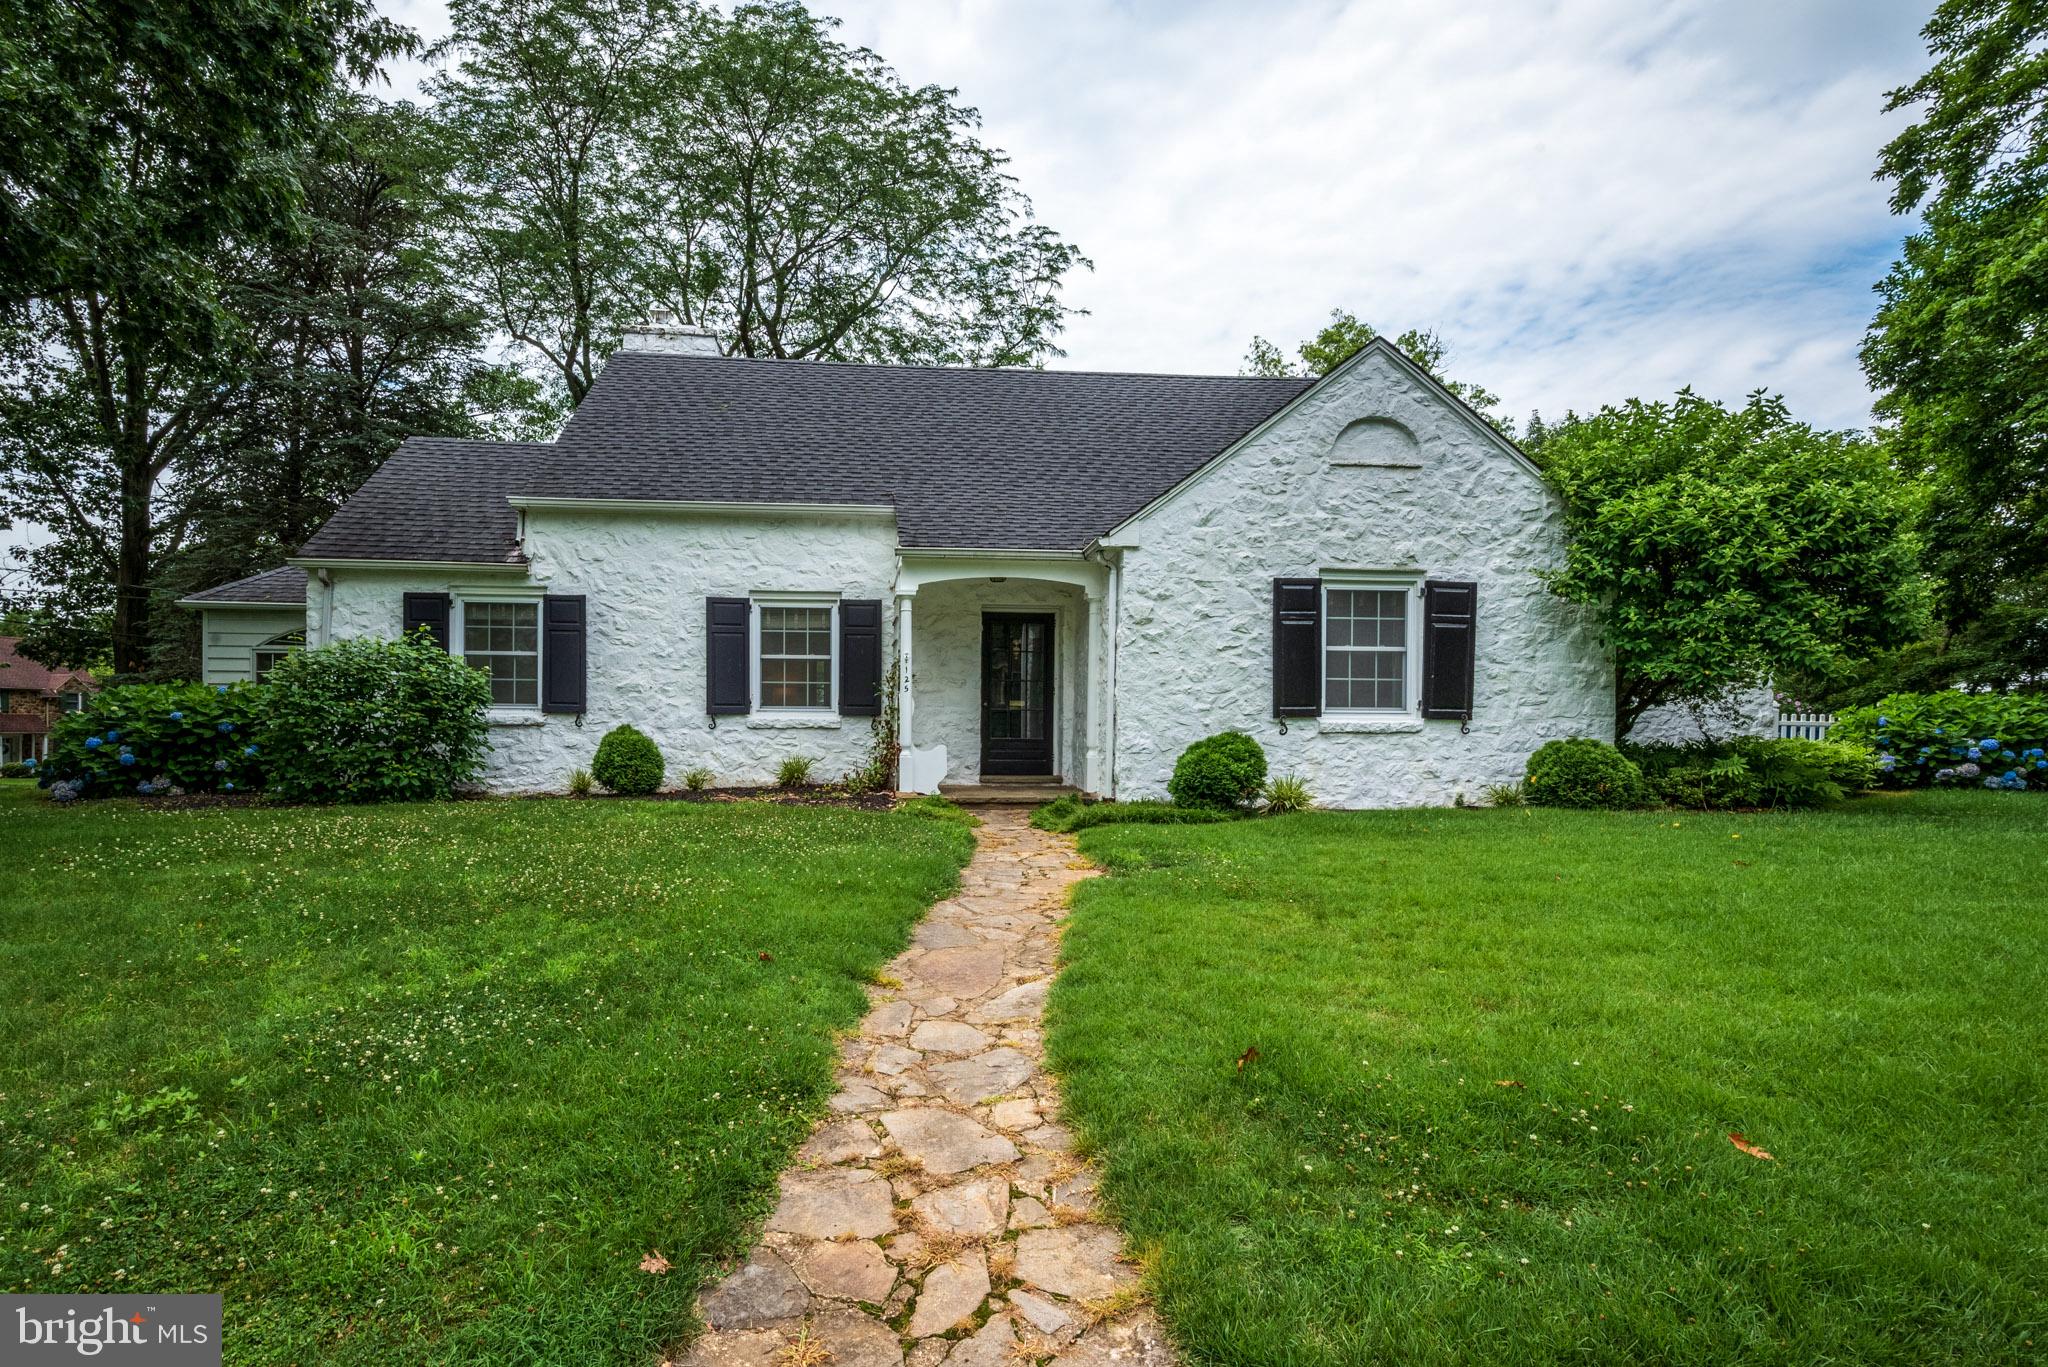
(271, 647)
(1409, 585)
(769, 599)
(458, 632)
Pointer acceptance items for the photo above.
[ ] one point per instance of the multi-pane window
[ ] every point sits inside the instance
(1365, 650)
(796, 657)
(503, 640)
(275, 649)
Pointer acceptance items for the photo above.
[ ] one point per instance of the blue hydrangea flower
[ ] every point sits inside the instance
(225, 727)
(177, 716)
(113, 735)
(220, 766)
(1991, 783)
(221, 688)
(1968, 770)
(1975, 753)
(93, 742)
(1988, 744)
(30, 763)
(127, 758)
(248, 749)
(1884, 721)
(228, 786)
(1944, 775)
(1938, 731)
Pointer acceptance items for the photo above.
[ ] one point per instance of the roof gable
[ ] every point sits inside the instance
(1380, 347)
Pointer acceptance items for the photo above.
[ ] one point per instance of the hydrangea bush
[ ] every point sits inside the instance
(1952, 739)
(365, 720)
(151, 738)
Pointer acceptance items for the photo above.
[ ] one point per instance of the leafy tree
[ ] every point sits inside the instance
(1957, 344)
(748, 173)
(1344, 336)
(546, 107)
(1727, 547)
(807, 203)
(135, 141)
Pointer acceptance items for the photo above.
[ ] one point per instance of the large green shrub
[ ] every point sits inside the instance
(1989, 740)
(1753, 772)
(151, 737)
(628, 762)
(1583, 772)
(1223, 772)
(365, 720)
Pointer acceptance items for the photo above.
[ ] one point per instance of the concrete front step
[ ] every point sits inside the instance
(1004, 792)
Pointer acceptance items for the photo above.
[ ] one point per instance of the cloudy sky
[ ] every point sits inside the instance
(1590, 199)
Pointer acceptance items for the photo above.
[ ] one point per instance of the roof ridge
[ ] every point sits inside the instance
(966, 369)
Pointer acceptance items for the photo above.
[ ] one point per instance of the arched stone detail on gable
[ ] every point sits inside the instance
(1376, 441)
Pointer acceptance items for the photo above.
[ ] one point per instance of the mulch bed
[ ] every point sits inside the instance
(812, 796)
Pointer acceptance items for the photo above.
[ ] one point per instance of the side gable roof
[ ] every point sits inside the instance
(980, 459)
(284, 587)
(436, 499)
(19, 673)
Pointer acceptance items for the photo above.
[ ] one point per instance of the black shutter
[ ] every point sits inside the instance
(564, 683)
(429, 610)
(726, 672)
(1297, 647)
(1449, 634)
(860, 657)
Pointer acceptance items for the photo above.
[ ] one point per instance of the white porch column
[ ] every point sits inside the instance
(1093, 698)
(919, 768)
(906, 704)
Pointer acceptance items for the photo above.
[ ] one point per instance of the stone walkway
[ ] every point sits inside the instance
(938, 1218)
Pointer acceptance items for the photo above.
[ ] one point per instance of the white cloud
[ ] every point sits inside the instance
(1591, 199)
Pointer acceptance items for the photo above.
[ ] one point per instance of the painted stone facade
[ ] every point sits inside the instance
(1372, 472)
(646, 576)
(1753, 713)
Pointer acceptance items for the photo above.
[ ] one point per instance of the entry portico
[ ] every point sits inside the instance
(1001, 657)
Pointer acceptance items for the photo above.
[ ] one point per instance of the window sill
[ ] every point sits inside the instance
(793, 721)
(1369, 726)
(514, 716)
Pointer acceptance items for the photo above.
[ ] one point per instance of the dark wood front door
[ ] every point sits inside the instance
(1016, 693)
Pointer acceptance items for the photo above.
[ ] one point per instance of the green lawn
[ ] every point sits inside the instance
(423, 1084)
(1862, 992)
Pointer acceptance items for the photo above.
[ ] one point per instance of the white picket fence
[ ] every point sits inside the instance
(1804, 725)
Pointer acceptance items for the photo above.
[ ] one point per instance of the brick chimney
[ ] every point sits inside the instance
(661, 332)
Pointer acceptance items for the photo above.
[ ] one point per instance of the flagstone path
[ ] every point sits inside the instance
(938, 1218)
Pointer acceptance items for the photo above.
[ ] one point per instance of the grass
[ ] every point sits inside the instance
(424, 1084)
(1499, 1055)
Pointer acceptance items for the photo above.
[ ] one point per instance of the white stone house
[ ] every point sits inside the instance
(1065, 574)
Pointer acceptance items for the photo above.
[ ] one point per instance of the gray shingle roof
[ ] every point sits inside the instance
(284, 586)
(1010, 459)
(981, 459)
(436, 498)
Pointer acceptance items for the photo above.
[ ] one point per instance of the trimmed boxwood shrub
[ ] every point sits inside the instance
(1753, 772)
(1583, 772)
(365, 720)
(628, 762)
(1969, 740)
(147, 738)
(1222, 773)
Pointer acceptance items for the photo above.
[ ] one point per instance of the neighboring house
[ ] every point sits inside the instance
(32, 698)
(1064, 574)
